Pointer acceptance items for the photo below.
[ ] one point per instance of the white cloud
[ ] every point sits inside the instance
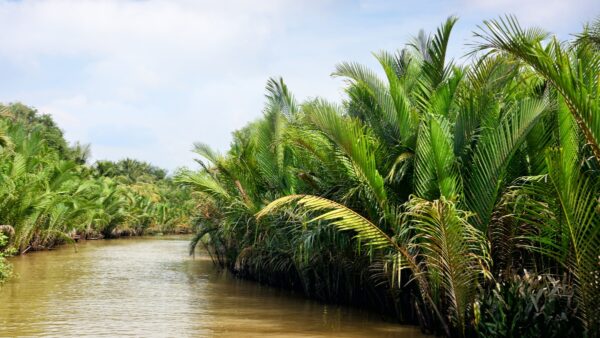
(175, 72)
(129, 53)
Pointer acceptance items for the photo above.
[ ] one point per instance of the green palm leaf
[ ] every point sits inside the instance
(339, 216)
(494, 151)
(436, 173)
(573, 74)
(353, 139)
(392, 102)
(369, 235)
(204, 183)
(453, 251)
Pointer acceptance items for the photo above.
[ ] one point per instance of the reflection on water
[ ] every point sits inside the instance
(150, 287)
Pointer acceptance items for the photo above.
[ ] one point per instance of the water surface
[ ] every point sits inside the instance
(151, 288)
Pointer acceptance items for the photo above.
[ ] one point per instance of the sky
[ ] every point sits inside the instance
(147, 79)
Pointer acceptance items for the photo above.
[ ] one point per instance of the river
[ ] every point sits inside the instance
(150, 287)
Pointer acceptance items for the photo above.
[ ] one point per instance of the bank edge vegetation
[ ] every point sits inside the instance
(462, 197)
(50, 196)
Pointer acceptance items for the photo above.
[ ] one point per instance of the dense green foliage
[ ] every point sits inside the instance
(436, 193)
(5, 268)
(528, 306)
(49, 195)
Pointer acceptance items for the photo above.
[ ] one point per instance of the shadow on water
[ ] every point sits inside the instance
(150, 287)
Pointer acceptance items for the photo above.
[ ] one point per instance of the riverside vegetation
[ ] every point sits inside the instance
(49, 195)
(464, 198)
(461, 197)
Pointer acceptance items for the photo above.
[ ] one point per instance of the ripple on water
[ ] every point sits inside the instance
(151, 288)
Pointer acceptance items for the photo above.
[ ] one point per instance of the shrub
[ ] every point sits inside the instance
(5, 267)
(528, 306)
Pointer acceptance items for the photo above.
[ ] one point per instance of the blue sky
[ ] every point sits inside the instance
(146, 79)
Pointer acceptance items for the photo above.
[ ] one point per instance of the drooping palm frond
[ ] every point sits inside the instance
(203, 182)
(590, 35)
(453, 252)
(367, 233)
(573, 74)
(339, 216)
(197, 239)
(207, 152)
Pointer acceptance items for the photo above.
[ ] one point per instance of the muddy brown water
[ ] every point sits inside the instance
(149, 287)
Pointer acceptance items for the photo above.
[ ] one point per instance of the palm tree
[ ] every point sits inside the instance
(430, 180)
(573, 72)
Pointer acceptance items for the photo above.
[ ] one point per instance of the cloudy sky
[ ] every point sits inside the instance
(146, 79)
